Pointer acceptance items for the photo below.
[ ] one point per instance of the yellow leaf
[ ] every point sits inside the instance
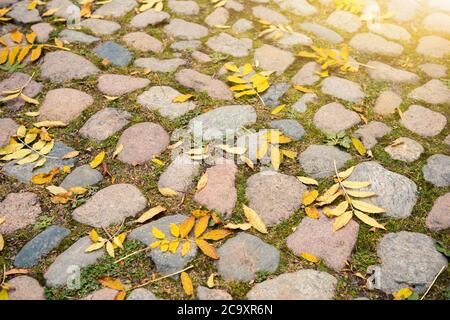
(22, 54)
(66, 169)
(93, 235)
(117, 151)
(345, 174)
(309, 181)
(157, 161)
(360, 194)
(29, 99)
(340, 209)
(120, 295)
(110, 249)
(342, 220)
(16, 36)
(202, 182)
(186, 226)
(368, 220)
(167, 192)
(31, 158)
(241, 87)
(48, 147)
(111, 283)
(4, 55)
(10, 97)
(201, 226)
(56, 190)
(367, 207)
(236, 79)
(185, 248)
(402, 294)
(289, 153)
(150, 214)
(312, 212)
(276, 157)
(241, 226)
(30, 137)
(309, 257)
(186, 282)
(59, 43)
(309, 197)
(278, 109)
(231, 67)
(43, 178)
(3, 294)
(71, 154)
(355, 184)
(359, 146)
(174, 230)
(248, 162)
(254, 219)
(95, 246)
(13, 54)
(111, 98)
(262, 150)
(17, 155)
(302, 89)
(182, 98)
(306, 54)
(36, 53)
(217, 234)
(50, 12)
(97, 160)
(233, 150)
(247, 69)
(158, 233)
(210, 282)
(40, 163)
(173, 246)
(155, 244)
(2, 243)
(49, 124)
(262, 86)
(245, 93)
(207, 249)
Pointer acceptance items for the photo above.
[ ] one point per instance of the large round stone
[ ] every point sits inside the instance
(437, 170)
(274, 196)
(19, 211)
(318, 160)
(242, 256)
(141, 142)
(301, 285)
(423, 121)
(439, 216)
(334, 117)
(111, 205)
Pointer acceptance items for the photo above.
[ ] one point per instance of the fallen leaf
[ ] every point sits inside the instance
(210, 282)
(302, 89)
(158, 233)
(120, 295)
(201, 226)
(185, 248)
(345, 174)
(150, 214)
(110, 249)
(202, 182)
(402, 294)
(367, 207)
(309, 181)
(368, 220)
(167, 192)
(342, 220)
(2, 243)
(186, 226)
(95, 246)
(182, 98)
(207, 249)
(355, 184)
(312, 212)
(275, 157)
(174, 230)
(340, 209)
(254, 219)
(216, 235)
(71, 154)
(186, 282)
(309, 257)
(97, 160)
(55, 190)
(117, 151)
(50, 124)
(359, 146)
(360, 194)
(278, 109)
(241, 226)
(3, 294)
(111, 283)
(248, 162)
(309, 197)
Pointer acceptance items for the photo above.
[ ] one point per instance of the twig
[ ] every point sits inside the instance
(132, 254)
(160, 278)
(432, 283)
(347, 197)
